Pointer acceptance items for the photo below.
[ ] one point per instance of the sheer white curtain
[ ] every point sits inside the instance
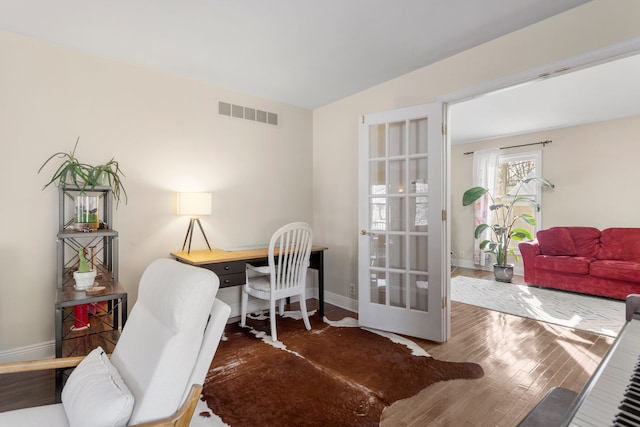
(485, 168)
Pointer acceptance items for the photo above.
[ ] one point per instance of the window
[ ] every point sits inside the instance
(512, 169)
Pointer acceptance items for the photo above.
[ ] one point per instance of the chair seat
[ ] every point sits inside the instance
(262, 283)
(47, 415)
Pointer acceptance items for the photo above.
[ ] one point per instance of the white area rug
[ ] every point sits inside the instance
(599, 315)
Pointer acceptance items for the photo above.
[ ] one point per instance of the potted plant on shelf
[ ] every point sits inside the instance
(84, 276)
(85, 176)
(505, 227)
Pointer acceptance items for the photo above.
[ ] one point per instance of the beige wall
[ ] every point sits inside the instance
(593, 167)
(167, 136)
(335, 130)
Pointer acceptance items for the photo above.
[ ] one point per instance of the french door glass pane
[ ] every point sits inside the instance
(419, 292)
(378, 214)
(396, 139)
(396, 289)
(397, 252)
(418, 136)
(378, 287)
(377, 141)
(418, 175)
(397, 173)
(418, 247)
(377, 177)
(418, 209)
(396, 217)
(378, 246)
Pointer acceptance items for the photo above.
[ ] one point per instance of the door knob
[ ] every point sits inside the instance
(365, 232)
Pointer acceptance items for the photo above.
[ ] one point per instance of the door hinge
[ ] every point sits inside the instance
(444, 215)
(444, 128)
(362, 119)
(444, 302)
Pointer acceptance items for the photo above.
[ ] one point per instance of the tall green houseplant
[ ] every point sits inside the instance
(505, 226)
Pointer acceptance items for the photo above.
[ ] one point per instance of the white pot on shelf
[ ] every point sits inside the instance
(84, 280)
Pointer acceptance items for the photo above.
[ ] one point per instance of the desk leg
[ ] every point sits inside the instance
(321, 283)
(317, 262)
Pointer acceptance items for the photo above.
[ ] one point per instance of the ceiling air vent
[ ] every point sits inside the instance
(248, 113)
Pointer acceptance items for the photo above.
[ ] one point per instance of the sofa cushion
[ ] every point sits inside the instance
(556, 241)
(563, 264)
(621, 244)
(95, 393)
(616, 270)
(586, 240)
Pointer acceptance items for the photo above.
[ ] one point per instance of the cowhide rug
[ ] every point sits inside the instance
(332, 375)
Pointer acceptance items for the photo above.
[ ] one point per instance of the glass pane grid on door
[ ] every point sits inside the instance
(400, 279)
(398, 206)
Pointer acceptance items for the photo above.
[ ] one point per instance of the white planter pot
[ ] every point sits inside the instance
(84, 280)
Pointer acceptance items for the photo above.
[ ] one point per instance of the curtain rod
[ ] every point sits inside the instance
(548, 141)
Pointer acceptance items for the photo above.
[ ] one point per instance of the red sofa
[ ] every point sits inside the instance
(585, 260)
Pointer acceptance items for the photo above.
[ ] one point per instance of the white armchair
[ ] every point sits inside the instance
(158, 366)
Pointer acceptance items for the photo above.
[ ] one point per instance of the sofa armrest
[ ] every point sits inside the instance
(529, 250)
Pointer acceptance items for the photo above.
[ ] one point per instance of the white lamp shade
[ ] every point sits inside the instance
(194, 204)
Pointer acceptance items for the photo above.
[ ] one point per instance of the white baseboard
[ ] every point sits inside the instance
(341, 301)
(466, 264)
(45, 350)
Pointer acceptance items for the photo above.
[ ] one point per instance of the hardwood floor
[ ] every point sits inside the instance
(522, 359)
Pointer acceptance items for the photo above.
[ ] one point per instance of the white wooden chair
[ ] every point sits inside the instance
(156, 372)
(285, 276)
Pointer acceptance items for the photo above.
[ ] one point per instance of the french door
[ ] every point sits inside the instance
(403, 250)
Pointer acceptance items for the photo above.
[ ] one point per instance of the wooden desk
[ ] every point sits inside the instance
(230, 266)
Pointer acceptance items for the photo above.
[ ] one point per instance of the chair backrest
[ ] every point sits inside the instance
(289, 251)
(161, 342)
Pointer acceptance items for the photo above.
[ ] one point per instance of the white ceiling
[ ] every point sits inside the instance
(310, 54)
(300, 52)
(603, 92)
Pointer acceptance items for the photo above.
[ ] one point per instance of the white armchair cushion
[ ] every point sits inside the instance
(37, 416)
(163, 335)
(96, 395)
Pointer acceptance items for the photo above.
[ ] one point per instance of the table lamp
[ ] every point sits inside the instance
(194, 205)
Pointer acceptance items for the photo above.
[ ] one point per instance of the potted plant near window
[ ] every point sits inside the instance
(505, 226)
(85, 176)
